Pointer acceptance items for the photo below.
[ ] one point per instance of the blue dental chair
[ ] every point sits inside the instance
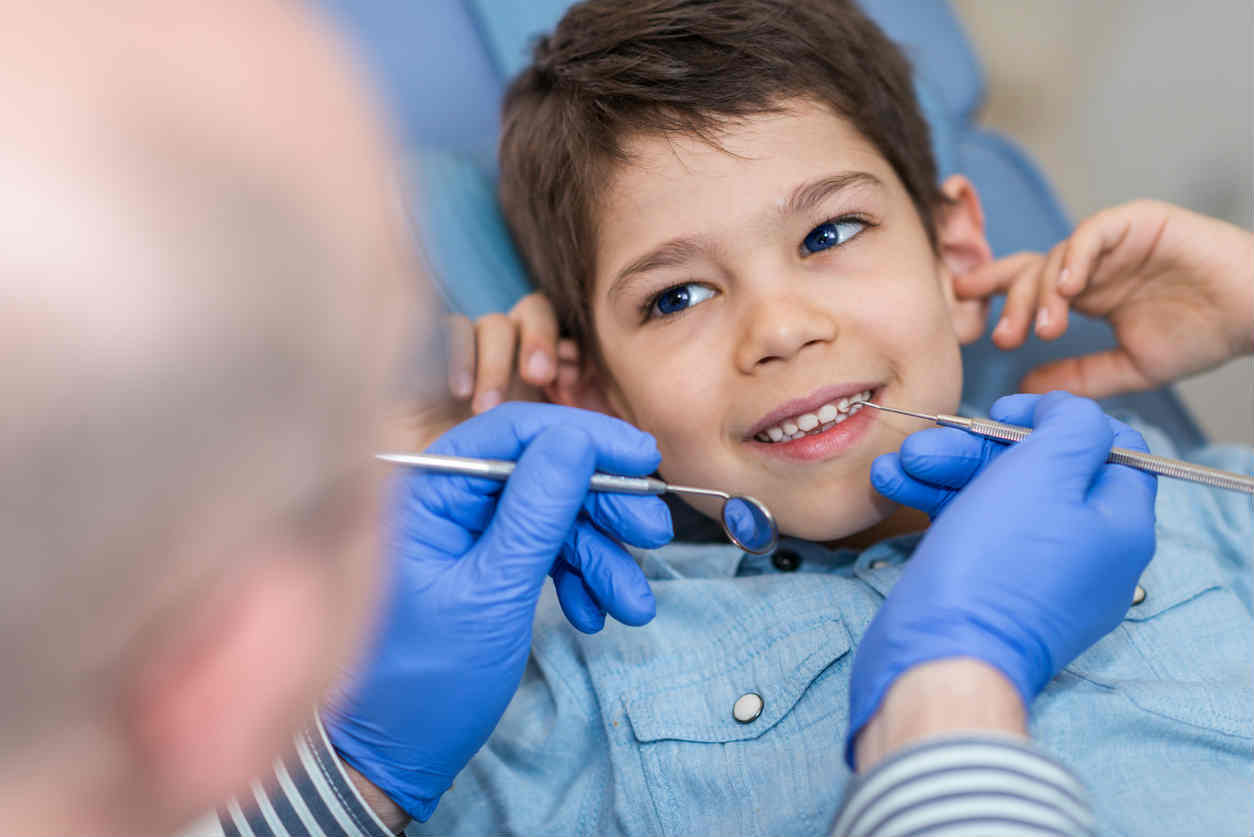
(443, 65)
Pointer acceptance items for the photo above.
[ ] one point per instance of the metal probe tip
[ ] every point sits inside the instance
(923, 416)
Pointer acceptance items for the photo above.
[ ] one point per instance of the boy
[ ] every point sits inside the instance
(734, 209)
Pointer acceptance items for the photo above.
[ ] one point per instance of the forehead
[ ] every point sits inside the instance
(680, 185)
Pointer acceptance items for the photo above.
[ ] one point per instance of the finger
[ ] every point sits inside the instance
(1015, 409)
(1051, 306)
(495, 341)
(573, 595)
(1096, 375)
(996, 277)
(614, 579)
(1071, 439)
(537, 509)
(890, 479)
(1091, 240)
(945, 456)
(641, 521)
(505, 432)
(537, 339)
(1124, 490)
(1019, 312)
(461, 355)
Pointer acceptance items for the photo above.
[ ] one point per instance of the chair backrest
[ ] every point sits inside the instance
(443, 65)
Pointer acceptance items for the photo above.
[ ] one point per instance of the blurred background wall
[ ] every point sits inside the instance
(1120, 99)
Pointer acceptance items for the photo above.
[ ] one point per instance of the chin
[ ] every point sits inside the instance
(826, 522)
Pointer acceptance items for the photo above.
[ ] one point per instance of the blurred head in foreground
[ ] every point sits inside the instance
(205, 278)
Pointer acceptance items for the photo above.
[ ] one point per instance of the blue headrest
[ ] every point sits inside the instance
(444, 64)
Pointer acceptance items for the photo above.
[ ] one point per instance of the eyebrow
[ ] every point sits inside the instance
(672, 253)
(809, 195)
(678, 251)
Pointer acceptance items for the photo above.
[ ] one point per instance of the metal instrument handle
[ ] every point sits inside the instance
(500, 469)
(1177, 468)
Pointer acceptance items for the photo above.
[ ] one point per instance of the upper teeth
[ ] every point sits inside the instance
(806, 424)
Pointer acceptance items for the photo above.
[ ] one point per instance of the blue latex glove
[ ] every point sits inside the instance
(1033, 554)
(469, 558)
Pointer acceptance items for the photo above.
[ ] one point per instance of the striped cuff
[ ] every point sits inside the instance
(969, 786)
(308, 795)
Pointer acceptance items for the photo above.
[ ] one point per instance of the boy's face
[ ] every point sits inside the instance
(741, 289)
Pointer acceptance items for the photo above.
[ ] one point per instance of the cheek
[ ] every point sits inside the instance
(910, 326)
(680, 400)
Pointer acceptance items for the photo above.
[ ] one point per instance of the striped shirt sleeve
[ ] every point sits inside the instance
(969, 786)
(308, 794)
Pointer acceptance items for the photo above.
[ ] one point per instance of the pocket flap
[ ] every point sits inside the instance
(778, 665)
(1170, 583)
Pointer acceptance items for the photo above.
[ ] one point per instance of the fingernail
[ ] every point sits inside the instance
(1064, 276)
(1002, 325)
(461, 385)
(486, 401)
(1042, 318)
(539, 365)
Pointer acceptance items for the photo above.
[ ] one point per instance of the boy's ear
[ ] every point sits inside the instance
(963, 248)
(580, 382)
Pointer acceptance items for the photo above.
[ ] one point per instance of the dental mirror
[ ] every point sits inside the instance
(749, 524)
(746, 521)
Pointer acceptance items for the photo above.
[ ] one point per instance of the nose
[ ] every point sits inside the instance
(777, 327)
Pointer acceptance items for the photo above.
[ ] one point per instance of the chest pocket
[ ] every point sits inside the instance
(1185, 652)
(779, 768)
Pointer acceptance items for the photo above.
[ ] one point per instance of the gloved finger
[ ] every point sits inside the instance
(945, 456)
(1070, 441)
(641, 521)
(537, 510)
(580, 609)
(891, 480)
(424, 524)
(613, 577)
(1015, 409)
(503, 433)
(1122, 489)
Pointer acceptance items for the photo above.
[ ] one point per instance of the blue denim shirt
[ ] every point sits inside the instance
(631, 730)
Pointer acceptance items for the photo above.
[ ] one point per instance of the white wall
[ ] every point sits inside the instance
(1119, 99)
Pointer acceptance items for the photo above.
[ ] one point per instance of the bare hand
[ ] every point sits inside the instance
(1177, 288)
(508, 357)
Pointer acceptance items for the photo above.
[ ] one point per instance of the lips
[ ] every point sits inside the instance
(809, 404)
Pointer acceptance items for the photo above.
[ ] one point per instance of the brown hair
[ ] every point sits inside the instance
(613, 69)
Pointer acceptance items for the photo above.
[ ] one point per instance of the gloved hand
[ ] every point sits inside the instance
(468, 564)
(1033, 554)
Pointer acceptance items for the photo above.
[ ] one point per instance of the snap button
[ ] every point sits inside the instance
(786, 560)
(881, 564)
(1138, 595)
(747, 708)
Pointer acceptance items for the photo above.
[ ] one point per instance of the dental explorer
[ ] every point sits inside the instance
(1160, 465)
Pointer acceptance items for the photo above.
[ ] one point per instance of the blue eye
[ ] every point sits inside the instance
(677, 298)
(831, 234)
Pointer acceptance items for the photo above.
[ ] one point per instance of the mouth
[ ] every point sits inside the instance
(818, 428)
(810, 416)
